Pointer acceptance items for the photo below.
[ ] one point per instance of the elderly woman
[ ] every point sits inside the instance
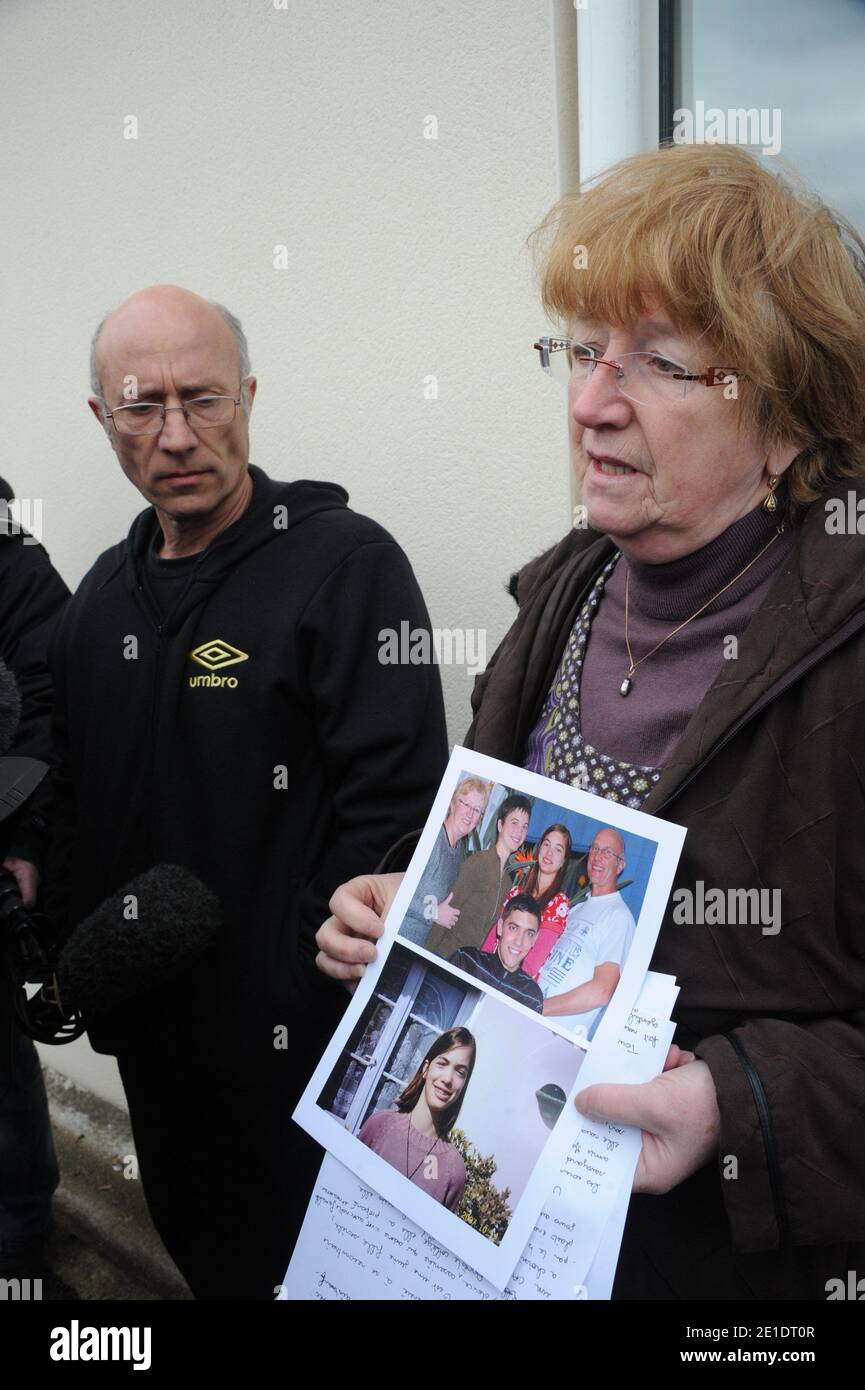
(431, 903)
(699, 652)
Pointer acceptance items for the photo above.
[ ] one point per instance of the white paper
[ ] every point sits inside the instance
(556, 1152)
(602, 1271)
(356, 1245)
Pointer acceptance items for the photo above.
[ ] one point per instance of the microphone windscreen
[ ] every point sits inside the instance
(10, 708)
(143, 937)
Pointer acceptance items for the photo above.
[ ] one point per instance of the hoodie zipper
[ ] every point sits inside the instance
(149, 611)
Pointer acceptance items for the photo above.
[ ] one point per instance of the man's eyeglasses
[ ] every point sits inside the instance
(605, 854)
(148, 417)
(646, 378)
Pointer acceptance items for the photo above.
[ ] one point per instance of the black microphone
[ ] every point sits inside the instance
(143, 937)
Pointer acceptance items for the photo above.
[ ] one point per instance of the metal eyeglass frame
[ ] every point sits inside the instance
(605, 854)
(148, 434)
(712, 376)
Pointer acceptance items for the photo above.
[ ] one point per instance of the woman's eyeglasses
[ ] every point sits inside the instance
(646, 378)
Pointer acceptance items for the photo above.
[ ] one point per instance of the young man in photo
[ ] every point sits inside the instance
(503, 968)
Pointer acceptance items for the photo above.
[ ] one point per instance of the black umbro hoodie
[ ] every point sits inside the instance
(253, 736)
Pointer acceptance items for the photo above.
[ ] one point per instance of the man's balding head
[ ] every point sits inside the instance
(606, 861)
(169, 348)
(163, 294)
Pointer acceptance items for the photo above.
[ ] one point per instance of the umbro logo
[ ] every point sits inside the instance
(213, 656)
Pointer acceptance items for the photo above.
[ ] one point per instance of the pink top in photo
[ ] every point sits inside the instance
(388, 1133)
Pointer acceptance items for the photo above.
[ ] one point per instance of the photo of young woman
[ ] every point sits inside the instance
(413, 1138)
(543, 882)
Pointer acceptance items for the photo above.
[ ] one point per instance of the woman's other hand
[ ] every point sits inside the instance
(345, 940)
(677, 1112)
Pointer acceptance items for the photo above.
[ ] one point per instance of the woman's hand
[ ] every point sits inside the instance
(345, 940)
(677, 1112)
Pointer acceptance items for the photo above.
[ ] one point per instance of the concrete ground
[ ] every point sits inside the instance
(103, 1245)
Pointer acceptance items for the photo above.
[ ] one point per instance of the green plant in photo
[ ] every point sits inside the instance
(483, 1205)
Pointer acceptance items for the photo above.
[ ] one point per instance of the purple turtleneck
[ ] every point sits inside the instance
(645, 726)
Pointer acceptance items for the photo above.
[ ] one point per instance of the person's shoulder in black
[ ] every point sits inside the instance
(32, 599)
(486, 966)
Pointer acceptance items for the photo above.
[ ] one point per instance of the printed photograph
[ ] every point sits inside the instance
(525, 920)
(533, 899)
(453, 1089)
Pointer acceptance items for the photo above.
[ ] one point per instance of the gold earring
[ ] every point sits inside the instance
(770, 501)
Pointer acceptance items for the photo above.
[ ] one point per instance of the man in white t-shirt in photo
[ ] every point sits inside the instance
(583, 968)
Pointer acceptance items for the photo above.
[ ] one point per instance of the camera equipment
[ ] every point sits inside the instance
(139, 940)
(28, 947)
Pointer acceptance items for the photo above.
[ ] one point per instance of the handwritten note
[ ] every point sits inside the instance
(356, 1245)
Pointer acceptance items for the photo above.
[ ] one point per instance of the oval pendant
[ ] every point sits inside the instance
(625, 687)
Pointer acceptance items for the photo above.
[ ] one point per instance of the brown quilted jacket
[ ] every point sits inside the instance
(769, 779)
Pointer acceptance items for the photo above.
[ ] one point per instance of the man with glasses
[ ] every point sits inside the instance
(222, 705)
(582, 970)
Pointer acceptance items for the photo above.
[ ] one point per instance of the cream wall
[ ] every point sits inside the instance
(300, 127)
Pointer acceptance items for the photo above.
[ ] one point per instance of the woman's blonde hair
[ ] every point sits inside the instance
(772, 277)
(473, 784)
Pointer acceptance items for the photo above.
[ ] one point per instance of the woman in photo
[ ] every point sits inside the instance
(431, 905)
(544, 883)
(413, 1138)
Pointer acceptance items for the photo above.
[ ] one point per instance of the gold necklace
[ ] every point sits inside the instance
(627, 684)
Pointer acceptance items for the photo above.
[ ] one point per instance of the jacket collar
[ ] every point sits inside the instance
(818, 594)
(275, 508)
(816, 601)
